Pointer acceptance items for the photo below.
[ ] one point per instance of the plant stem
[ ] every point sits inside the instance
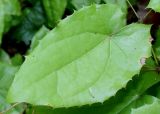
(5, 111)
(133, 9)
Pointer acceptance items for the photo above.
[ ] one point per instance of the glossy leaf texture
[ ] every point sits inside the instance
(81, 3)
(54, 10)
(17, 60)
(61, 72)
(8, 9)
(155, 5)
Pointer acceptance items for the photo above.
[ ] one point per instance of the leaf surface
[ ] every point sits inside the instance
(84, 60)
(32, 20)
(7, 72)
(54, 10)
(155, 5)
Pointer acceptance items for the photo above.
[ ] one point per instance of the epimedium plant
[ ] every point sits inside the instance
(91, 62)
(85, 81)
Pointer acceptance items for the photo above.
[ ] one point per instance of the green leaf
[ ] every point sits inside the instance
(54, 10)
(4, 106)
(157, 91)
(155, 5)
(1, 26)
(157, 51)
(152, 108)
(121, 3)
(7, 73)
(131, 103)
(121, 103)
(8, 9)
(4, 57)
(76, 63)
(80, 3)
(156, 45)
(17, 60)
(37, 37)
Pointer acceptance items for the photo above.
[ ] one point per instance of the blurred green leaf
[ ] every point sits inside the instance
(157, 51)
(157, 89)
(1, 26)
(121, 3)
(151, 105)
(4, 57)
(155, 5)
(7, 73)
(54, 10)
(156, 45)
(37, 37)
(4, 106)
(31, 21)
(8, 9)
(17, 60)
(80, 3)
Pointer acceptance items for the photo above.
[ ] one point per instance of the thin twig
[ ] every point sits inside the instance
(3, 112)
(141, 20)
(133, 9)
(147, 14)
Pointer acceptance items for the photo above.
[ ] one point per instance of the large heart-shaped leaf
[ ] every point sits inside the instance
(7, 71)
(86, 59)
